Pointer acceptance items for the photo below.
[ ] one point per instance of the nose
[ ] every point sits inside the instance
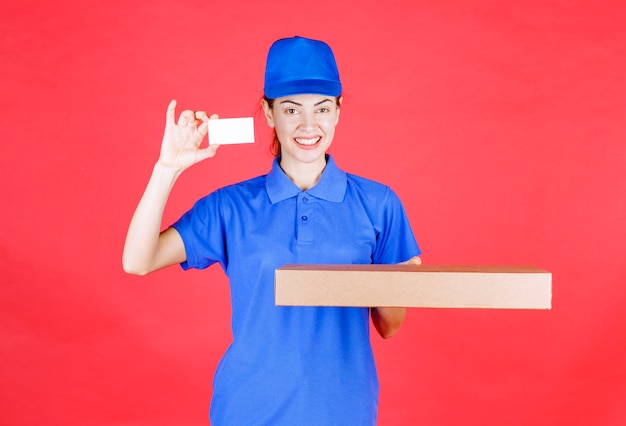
(308, 122)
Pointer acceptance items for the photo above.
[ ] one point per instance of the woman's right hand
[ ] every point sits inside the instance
(180, 148)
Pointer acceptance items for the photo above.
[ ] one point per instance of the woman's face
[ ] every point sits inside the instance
(304, 125)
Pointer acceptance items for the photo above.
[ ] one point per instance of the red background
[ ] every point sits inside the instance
(500, 124)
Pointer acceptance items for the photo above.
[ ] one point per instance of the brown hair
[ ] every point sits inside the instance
(275, 144)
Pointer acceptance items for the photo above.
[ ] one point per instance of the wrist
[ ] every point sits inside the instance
(165, 172)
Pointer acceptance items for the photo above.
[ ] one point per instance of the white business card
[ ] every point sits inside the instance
(225, 131)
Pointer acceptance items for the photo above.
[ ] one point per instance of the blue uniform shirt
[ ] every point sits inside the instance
(295, 365)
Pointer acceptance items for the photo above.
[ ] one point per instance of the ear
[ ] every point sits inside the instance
(269, 113)
(339, 103)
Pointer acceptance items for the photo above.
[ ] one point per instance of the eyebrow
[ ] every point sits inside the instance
(296, 103)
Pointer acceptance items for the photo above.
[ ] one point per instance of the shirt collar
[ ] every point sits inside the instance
(331, 186)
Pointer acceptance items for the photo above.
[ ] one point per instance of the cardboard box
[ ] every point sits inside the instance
(417, 286)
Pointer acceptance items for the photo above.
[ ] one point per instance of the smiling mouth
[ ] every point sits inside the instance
(308, 141)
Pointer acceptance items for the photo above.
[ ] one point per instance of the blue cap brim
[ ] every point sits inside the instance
(304, 87)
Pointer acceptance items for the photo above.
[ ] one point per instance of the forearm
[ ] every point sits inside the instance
(142, 240)
(387, 320)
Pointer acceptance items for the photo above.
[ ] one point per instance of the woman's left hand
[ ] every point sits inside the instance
(415, 260)
(387, 320)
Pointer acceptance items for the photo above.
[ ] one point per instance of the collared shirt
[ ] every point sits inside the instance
(295, 365)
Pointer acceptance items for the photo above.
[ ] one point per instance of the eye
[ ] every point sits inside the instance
(323, 110)
(291, 111)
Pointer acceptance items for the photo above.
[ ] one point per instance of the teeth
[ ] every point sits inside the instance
(302, 141)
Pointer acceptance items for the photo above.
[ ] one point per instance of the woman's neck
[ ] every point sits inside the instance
(304, 175)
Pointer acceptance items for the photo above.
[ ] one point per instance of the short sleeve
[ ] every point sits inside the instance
(202, 231)
(395, 241)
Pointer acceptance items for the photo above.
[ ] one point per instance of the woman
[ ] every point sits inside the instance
(286, 365)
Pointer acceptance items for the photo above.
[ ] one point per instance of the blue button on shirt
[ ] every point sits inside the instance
(295, 365)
